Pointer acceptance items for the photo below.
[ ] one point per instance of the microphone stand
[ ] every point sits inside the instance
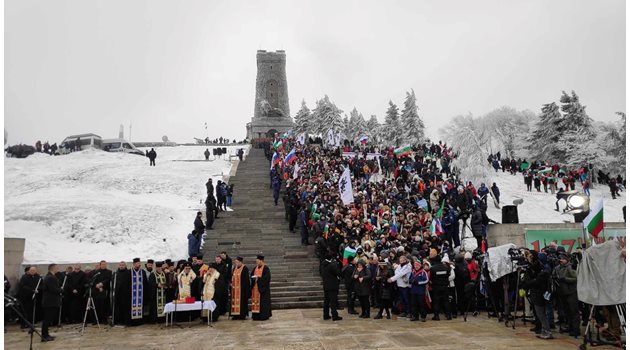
(113, 297)
(63, 285)
(174, 316)
(33, 299)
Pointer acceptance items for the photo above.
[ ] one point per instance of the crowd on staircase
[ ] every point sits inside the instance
(393, 225)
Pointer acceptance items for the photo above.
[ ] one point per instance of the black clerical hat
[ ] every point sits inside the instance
(239, 258)
(200, 256)
(135, 260)
(150, 261)
(159, 264)
(260, 257)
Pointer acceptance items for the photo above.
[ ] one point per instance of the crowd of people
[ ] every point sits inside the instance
(397, 246)
(135, 295)
(557, 178)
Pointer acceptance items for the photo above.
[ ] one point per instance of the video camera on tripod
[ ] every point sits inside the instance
(518, 258)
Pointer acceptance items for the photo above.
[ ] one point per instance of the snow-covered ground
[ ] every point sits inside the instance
(538, 207)
(94, 205)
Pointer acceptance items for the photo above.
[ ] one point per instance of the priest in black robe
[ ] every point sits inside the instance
(122, 290)
(261, 290)
(221, 287)
(240, 292)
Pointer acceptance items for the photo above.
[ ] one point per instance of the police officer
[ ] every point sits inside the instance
(331, 273)
(439, 283)
(347, 272)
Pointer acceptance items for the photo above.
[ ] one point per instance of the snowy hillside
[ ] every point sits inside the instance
(96, 205)
(538, 207)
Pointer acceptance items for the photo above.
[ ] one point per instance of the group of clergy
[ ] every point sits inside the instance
(140, 294)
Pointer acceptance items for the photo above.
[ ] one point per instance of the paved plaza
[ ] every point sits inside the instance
(304, 329)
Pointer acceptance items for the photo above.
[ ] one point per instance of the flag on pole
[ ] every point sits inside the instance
(594, 222)
(402, 151)
(291, 157)
(330, 138)
(275, 160)
(436, 224)
(338, 139)
(345, 187)
(363, 140)
(301, 138)
(278, 145)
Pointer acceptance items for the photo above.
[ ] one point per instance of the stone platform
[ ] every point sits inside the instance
(304, 329)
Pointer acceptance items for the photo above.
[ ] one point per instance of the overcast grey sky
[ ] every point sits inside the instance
(169, 66)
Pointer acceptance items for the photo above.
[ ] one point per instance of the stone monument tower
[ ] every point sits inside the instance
(271, 106)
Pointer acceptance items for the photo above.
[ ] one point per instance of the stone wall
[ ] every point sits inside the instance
(500, 234)
(13, 257)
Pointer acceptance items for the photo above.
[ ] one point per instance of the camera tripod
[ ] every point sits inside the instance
(89, 305)
(475, 290)
(13, 303)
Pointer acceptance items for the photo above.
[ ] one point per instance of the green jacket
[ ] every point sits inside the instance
(566, 279)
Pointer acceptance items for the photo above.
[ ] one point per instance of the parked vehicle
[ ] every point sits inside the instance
(121, 145)
(80, 142)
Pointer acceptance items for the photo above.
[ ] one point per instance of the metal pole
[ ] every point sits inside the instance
(65, 277)
(34, 300)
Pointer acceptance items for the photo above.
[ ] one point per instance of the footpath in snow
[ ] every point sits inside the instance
(94, 205)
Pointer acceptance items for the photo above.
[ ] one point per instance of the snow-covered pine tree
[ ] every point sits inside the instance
(412, 123)
(346, 126)
(393, 132)
(303, 122)
(575, 117)
(543, 141)
(580, 147)
(326, 116)
(356, 125)
(372, 129)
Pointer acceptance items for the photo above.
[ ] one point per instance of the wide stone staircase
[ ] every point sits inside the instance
(257, 226)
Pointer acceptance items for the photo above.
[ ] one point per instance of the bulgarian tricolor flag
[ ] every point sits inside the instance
(278, 145)
(594, 222)
(402, 151)
(348, 253)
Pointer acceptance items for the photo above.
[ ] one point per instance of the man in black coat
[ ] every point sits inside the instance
(331, 273)
(51, 300)
(122, 290)
(200, 228)
(152, 155)
(100, 290)
(347, 273)
(210, 211)
(76, 288)
(26, 288)
(439, 281)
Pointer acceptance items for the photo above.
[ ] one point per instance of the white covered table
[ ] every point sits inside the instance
(170, 308)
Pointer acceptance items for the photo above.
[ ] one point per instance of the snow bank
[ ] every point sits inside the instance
(94, 205)
(538, 207)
